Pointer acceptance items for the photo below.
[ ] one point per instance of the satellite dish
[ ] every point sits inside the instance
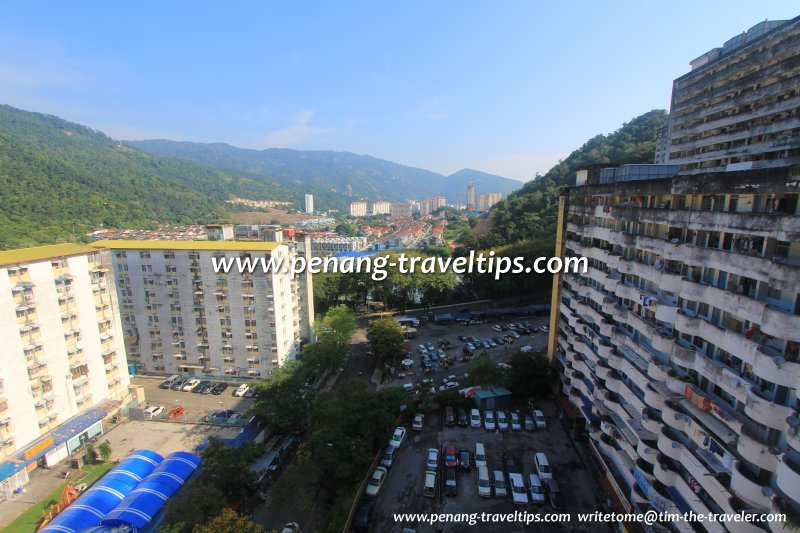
(767, 492)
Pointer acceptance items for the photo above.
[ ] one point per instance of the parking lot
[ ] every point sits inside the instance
(161, 437)
(196, 405)
(402, 490)
(432, 332)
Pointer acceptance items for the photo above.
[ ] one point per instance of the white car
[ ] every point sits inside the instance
(153, 411)
(536, 488)
(475, 418)
(397, 436)
(518, 491)
(497, 327)
(419, 420)
(502, 420)
(543, 466)
(433, 459)
(376, 481)
(242, 390)
(449, 385)
(516, 424)
(500, 484)
(488, 420)
(484, 485)
(422, 349)
(192, 383)
(544, 329)
(538, 416)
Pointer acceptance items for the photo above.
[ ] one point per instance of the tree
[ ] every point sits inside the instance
(339, 323)
(386, 339)
(228, 469)
(346, 230)
(284, 399)
(105, 451)
(530, 376)
(229, 522)
(195, 503)
(483, 371)
(90, 453)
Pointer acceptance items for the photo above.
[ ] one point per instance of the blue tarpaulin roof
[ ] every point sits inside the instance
(106, 494)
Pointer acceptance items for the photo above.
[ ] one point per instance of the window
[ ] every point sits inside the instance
(144, 255)
(773, 293)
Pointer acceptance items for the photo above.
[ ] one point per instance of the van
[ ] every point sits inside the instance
(429, 490)
(475, 418)
(543, 466)
(480, 455)
(449, 419)
(484, 485)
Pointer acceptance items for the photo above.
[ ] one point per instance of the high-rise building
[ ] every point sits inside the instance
(402, 210)
(179, 315)
(739, 106)
(309, 204)
(471, 196)
(381, 208)
(487, 200)
(358, 209)
(63, 358)
(680, 346)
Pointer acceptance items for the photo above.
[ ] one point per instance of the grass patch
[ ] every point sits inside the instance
(28, 522)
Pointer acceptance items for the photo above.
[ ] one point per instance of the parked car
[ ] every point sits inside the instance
(484, 485)
(518, 491)
(515, 421)
(419, 419)
(433, 459)
(449, 385)
(250, 393)
(167, 383)
(376, 481)
(179, 383)
(449, 452)
(475, 418)
(429, 489)
(430, 346)
(450, 484)
(539, 417)
(462, 418)
(543, 466)
(153, 411)
(544, 329)
(388, 456)
(529, 423)
(554, 494)
(514, 334)
(422, 349)
(243, 388)
(191, 384)
(497, 327)
(200, 386)
(464, 460)
(363, 517)
(397, 436)
(498, 340)
(536, 488)
(502, 420)
(500, 484)
(219, 388)
(488, 420)
(480, 454)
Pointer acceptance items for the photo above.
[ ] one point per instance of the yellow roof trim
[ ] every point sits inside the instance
(216, 246)
(40, 253)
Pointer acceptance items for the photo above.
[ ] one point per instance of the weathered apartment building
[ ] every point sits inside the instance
(680, 346)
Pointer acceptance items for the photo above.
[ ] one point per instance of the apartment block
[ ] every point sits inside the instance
(402, 210)
(486, 200)
(332, 245)
(739, 106)
(358, 209)
(180, 316)
(381, 208)
(63, 358)
(308, 204)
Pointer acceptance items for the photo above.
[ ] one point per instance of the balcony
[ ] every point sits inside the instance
(760, 407)
(772, 365)
(753, 447)
(747, 487)
(788, 477)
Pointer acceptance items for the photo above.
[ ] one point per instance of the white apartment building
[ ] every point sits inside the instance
(179, 316)
(486, 200)
(332, 245)
(309, 204)
(358, 209)
(63, 358)
(381, 208)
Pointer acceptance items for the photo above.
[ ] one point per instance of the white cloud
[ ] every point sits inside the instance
(299, 131)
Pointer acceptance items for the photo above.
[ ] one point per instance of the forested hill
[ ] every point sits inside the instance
(327, 173)
(531, 211)
(59, 179)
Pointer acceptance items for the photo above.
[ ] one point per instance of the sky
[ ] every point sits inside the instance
(503, 87)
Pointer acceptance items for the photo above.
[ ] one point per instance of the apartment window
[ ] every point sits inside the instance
(120, 255)
(144, 255)
(169, 255)
(773, 293)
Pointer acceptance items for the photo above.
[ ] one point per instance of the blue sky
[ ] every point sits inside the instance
(503, 87)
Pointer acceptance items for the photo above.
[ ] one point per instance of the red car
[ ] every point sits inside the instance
(449, 452)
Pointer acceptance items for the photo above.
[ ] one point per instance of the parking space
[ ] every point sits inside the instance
(402, 491)
(433, 333)
(161, 437)
(196, 405)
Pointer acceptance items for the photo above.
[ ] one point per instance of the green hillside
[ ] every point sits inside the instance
(59, 179)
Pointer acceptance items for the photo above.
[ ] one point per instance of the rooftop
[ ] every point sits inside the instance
(39, 253)
(221, 246)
